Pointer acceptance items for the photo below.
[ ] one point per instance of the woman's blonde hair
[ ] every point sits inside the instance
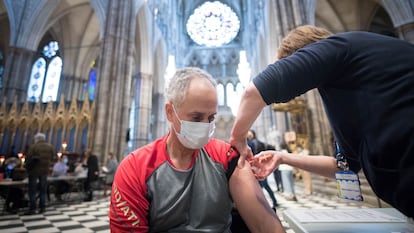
(299, 38)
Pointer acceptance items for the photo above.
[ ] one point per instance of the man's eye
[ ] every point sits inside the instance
(211, 119)
(197, 119)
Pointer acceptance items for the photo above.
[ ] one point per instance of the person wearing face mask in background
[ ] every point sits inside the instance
(60, 168)
(186, 181)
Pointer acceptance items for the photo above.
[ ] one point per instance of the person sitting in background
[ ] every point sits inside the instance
(14, 196)
(60, 168)
(109, 170)
(9, 165)
(79, 170)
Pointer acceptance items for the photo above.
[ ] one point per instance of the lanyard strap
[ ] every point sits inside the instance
(341, 162)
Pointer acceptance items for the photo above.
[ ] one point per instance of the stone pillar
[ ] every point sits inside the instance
(143, 110)
(72, 86)
(160, 120)
(17, 73)
(283, 17)
(402, 16)
(114, 74)
(319, 129)
(406, 32)
(291, 14)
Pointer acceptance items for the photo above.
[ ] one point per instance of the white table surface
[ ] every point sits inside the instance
(348, 220)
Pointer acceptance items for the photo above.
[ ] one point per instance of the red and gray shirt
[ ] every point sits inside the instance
(150, 195)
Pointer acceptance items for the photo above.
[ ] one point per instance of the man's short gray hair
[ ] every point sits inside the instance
(39, 137)
(177, 86)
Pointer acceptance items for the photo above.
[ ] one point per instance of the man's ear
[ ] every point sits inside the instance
(169, 111)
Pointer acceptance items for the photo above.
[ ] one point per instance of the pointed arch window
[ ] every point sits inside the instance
(220, 94)
(45, 75)
(89, 87)
(92, 84)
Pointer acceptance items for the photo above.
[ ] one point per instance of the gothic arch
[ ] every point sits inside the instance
(46, 125)
(34, 125)
(83, 45)
(380, 22)
(57, 133)
(339, 16)
(28, 36)
(146, 37)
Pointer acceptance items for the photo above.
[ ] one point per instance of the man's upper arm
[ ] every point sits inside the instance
(251, 203)
(243, 185)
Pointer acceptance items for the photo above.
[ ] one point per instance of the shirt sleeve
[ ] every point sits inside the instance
(232, 162)
(129, 206)
(310, 67)
(223, 153)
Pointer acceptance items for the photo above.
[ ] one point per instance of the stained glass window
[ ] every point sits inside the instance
(45, 76)
(36, 80)
(92, 84)
(51, 86)
(213, 24)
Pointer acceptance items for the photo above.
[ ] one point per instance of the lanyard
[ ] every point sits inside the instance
(341, 162)
(347, 181)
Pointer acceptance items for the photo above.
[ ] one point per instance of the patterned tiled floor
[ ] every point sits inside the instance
(74, 217)
(91, 216)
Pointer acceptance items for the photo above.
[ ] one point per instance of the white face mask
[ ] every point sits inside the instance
(194, 135)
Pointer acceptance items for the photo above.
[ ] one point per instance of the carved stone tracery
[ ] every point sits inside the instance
(60, 121)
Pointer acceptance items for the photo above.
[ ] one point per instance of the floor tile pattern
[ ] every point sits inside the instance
(92, 216)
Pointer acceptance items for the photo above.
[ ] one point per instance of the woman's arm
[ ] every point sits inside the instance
(251, 104)
(266, 162)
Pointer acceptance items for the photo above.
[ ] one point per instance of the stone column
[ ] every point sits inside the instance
(286, 16)
(143, 110)
(114, 78)
(406, 32)
(160, 120)
(319, 130)
(402, 16)
(283, 16)
(17, 72)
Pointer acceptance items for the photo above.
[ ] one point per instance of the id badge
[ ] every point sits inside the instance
(348, 186)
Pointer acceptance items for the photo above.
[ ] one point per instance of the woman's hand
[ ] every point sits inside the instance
(264, 163)
(244, 150)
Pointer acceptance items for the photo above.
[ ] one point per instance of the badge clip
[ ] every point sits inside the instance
(349, 186)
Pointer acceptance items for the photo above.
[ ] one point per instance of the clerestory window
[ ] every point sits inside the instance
(45, 75)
